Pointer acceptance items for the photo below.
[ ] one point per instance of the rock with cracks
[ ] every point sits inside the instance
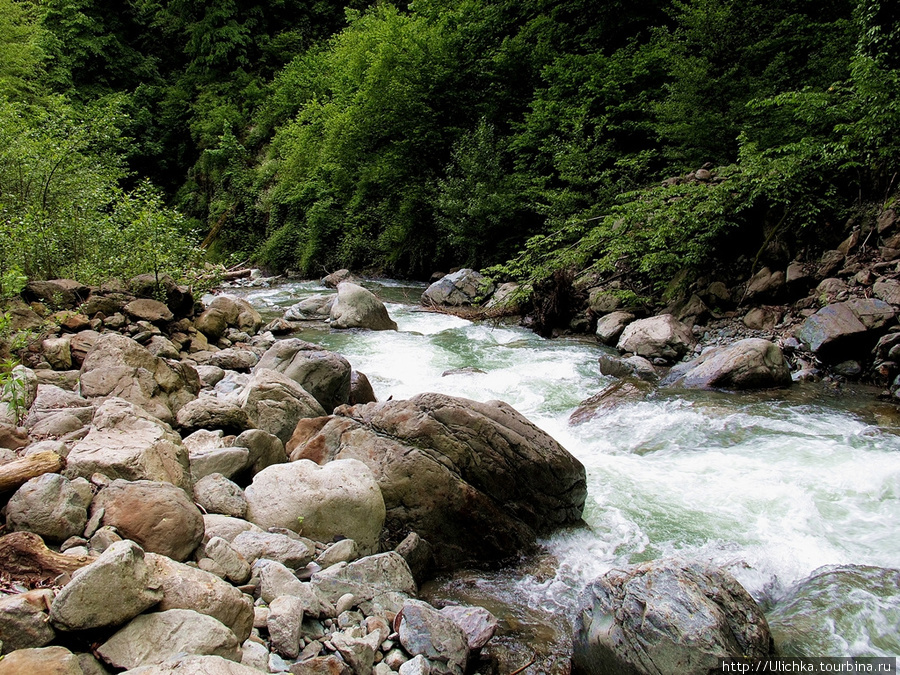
(476, 480)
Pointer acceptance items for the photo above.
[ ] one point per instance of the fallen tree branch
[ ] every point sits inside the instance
(20, 471)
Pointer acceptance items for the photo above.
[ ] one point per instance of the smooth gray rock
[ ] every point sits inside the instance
(160, 517)
(254, 655)
(316, 307)
(211, 412)
(24, 621)
(321, 665)
(338, 498)
(293, 553)
(50, 506)
(195, 665)
(41, 661)
(424, 631)
(323, 374)
(276, 580)
(359, 653)
(126, 442)
(121, 572)
(660, 336)
(477, 480)
(239, 360)
(752, 363)
(228, 311)
(610, 326)
(145, 309)
(666, 617)
(210, 376)
(345, 550)
(463, 287)
(186, 587)
(227, 527)
(357, 307)
(216, 494)
(416, 666)
(58, 352)
(274, 403)
(265, 449)
(153, 638)
(228, 462)
(633, 366)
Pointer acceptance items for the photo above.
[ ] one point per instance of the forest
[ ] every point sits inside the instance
(520, 137)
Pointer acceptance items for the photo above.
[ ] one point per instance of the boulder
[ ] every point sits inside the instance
(334, 279)
(357, 307)
(178, 298)
(844, 326)
(235, 566)
(666, 617)
(275, 403)
(360, 389)
(366, 578)
(316, 307)
(283, 623)
(255, 544)
(81, 345)
(121, 572)
(56, 293)
(477, 480)
(765, 284)
(195, 664)
(13, 437)
(835, 608)
(18, 394)
(145, 309)
(504, 298)
(239, 360)
(153, 638)
(887, 290)
(633, 366)
(340, 498)
(126, 442)
(41, 661)
(158, 516)
(427, 632)
(603, 301)
(216, 494)
(227, 527)
(58, 352)
(463, 287)
(660, 336)
(277, 580)
(747, 364)
(211, 412)
(476, 623)
(24, 620)
(51, 506)
(186, 587)
(118, 366)
(610, 327)
(228, 311)
(265, 449)
(323, 374)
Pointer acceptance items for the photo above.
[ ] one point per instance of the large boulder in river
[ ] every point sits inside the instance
(747, 364)
(357, 307)
(666, 617)
(125, 442)
(119, 366)
(837, 606)
(323, 374)
(659, 337)
(463, 287)
(845, 326)
(476, 480)
(340, 498)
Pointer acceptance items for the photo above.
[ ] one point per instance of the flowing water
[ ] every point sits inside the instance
(771, 485)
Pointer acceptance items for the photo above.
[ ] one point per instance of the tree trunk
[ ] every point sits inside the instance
(18, 472)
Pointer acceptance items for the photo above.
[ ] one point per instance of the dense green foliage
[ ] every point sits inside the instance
(530, 136)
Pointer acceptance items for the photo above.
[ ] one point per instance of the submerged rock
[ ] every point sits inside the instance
(847, 609)
(666, 617)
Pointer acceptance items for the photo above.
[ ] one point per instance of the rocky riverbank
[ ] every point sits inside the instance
(253, 498)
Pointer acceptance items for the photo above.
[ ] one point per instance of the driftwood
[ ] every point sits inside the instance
(24, 556)
(20, 471)
(237, 274)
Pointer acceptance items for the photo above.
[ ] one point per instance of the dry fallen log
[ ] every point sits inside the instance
(237, 274)
(18, 472)
(24, 556)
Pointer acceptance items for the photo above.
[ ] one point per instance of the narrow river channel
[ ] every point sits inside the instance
(771, 486)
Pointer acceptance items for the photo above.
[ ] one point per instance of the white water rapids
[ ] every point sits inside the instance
(771, 486)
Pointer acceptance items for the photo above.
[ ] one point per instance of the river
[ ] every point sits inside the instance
(770, 485)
